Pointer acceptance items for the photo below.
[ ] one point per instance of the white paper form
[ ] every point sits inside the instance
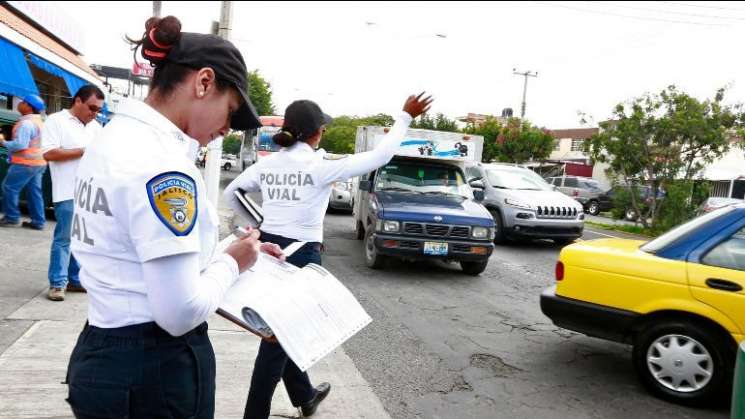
(310, 312)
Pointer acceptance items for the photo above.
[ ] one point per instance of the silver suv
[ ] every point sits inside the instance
(524, 205)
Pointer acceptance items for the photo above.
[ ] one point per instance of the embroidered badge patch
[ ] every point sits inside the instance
(173, 197)
(331, 156)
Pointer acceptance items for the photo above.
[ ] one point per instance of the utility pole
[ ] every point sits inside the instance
(156, 8)
(214, 149)
(525, 74)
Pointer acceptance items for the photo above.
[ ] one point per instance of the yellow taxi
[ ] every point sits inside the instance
(677, 299)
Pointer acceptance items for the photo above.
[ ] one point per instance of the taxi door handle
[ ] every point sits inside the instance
(724, 285)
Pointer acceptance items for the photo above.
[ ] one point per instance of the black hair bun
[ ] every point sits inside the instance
(284, 139)
(161, 34)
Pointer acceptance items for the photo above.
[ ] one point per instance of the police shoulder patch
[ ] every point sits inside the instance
(331, 156)
(173, 197)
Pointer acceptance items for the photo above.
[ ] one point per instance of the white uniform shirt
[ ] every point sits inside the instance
(65, 131)
(296, 183)
(138, 197)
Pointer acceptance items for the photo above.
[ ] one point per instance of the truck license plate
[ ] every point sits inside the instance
(435, 249)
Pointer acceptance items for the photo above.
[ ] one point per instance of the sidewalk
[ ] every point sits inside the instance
(37, 336)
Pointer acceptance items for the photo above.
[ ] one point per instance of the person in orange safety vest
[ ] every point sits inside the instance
(27, 166)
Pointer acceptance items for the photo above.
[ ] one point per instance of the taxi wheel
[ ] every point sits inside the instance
(474, 268)
(684, 362)
(372, 258)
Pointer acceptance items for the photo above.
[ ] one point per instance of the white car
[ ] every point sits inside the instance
(228, 161)
(342, 196)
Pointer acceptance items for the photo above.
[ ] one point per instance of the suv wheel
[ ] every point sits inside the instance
(631, 215)
(683, 362)
(226, 166)
(498, 226)
(593, 208)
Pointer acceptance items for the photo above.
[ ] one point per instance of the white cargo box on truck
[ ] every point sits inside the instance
(424, 143)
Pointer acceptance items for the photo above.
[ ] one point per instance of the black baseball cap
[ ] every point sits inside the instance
(198, 50)
(305, 117)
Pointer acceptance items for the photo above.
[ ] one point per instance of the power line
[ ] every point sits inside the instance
(647, 18)
(677, 3)
(666, 11)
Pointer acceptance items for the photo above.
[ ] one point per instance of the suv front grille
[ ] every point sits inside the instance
(556, 212)
(437, 230)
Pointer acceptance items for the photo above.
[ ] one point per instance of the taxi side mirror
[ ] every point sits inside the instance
(477, 184)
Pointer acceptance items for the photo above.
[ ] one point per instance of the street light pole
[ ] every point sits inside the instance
(214, 149)
(525, 74)
(156, 8)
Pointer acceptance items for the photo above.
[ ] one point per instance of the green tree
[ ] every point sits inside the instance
(516, 142)
(664, 140)
(231, 144)
(260, 93)
(341, 132)
(440, 122)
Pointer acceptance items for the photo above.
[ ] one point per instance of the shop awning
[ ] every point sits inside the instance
(15, 76)
(73, 82)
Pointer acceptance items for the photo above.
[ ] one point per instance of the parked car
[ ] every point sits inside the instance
(228, 161)
(677, 299)
(714, 203)
(586, 191)
(524, 205)
(342, 196)
(644, 194)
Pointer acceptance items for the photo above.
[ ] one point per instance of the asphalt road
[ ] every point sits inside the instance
(447, 345)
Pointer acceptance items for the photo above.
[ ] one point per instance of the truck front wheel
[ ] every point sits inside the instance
(474, 268)
(372, 258)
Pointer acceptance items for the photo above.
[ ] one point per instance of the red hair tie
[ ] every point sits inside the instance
(151, 35)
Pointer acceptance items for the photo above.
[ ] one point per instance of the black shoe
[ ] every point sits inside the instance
(32, 226)
(4, 222)
(322, 391)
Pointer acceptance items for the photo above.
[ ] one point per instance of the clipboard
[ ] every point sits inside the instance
(251, 210)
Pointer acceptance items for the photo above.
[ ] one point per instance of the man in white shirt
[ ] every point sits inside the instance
(64, 138)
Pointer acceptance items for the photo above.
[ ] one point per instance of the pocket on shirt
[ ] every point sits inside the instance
(100, 400)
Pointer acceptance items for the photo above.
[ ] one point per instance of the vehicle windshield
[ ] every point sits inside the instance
(265, 143)
(421, 178)
(516, 178)
(682, 230)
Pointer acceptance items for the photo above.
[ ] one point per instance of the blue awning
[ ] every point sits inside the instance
(74, 83)
(15, 76)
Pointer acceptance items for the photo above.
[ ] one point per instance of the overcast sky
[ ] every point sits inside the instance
(364, 58)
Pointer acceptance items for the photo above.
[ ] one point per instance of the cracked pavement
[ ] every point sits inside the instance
(446, 345)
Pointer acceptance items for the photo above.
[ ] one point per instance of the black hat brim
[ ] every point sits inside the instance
(327, 119)
(246, 117)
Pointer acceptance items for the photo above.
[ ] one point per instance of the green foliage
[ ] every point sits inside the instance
(656, 139)
(340, 133)
(516, 142)
(440, 123)
(231, 144)
(260, 93)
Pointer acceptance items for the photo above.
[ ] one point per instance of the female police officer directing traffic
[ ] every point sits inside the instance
(145, 234)
(296, 184)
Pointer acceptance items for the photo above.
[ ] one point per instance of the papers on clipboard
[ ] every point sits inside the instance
(308, 310)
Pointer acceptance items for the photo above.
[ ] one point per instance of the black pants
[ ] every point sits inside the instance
(141, 371)
(272, 363)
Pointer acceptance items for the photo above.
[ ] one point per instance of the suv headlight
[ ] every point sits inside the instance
(517, 204)
(341, 186)
(391, 226)
(480, 233)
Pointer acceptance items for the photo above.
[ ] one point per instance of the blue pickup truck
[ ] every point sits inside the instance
(422, 208)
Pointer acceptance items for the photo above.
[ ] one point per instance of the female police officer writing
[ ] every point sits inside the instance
(144, 234)
(296, 185)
